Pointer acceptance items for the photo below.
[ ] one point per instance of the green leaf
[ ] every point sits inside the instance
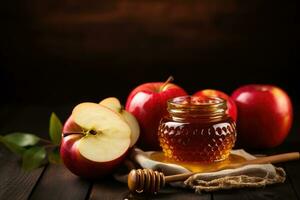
(22, 139)
(54, 156)
(33, 158)
(55, 129)
(11, 146)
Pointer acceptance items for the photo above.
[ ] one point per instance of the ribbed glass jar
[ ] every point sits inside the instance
(197, 129)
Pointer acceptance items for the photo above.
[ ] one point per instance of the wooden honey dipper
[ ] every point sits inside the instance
(150, 181)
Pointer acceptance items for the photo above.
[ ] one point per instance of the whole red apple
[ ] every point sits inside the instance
(95, 141)
(148, 103)
(231, 107)
(265, 115)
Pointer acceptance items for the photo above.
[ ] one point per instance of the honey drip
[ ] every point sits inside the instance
(198, 166)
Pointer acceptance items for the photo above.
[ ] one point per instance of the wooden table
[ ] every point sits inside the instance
(56, 182)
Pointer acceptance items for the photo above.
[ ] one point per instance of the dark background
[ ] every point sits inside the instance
(57, 52)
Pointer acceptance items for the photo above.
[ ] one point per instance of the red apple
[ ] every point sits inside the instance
(265, 115)
(95, 141)
(231, 107)
(148, 103)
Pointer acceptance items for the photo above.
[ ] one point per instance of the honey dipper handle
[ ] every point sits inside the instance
(263, 160)
(268, 159)
(178, 177)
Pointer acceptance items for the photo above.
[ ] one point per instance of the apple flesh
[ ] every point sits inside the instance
(95, 141)
(115, 105)
(148, 103)
(112, 103)
(231, 107)
(265, 115)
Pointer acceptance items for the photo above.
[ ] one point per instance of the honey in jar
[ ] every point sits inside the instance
(199, 166)
(197, 129)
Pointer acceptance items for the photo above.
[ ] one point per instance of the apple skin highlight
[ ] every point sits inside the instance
(265, 115)
(148, 103)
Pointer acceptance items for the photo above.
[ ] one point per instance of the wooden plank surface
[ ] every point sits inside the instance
(111, 189)
(58, 182)
(103, 190)
(293, 144)
(15, 183)
(293, 174)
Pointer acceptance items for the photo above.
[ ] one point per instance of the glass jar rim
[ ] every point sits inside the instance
(207, 108)
(197, 102)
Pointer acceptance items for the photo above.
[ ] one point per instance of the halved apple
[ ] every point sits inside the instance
(95, 140)
(112, 103)
(115, 105)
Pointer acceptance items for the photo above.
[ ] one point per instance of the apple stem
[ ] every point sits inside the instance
(169, 80)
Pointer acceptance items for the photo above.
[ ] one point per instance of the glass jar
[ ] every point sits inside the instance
(197, 129)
